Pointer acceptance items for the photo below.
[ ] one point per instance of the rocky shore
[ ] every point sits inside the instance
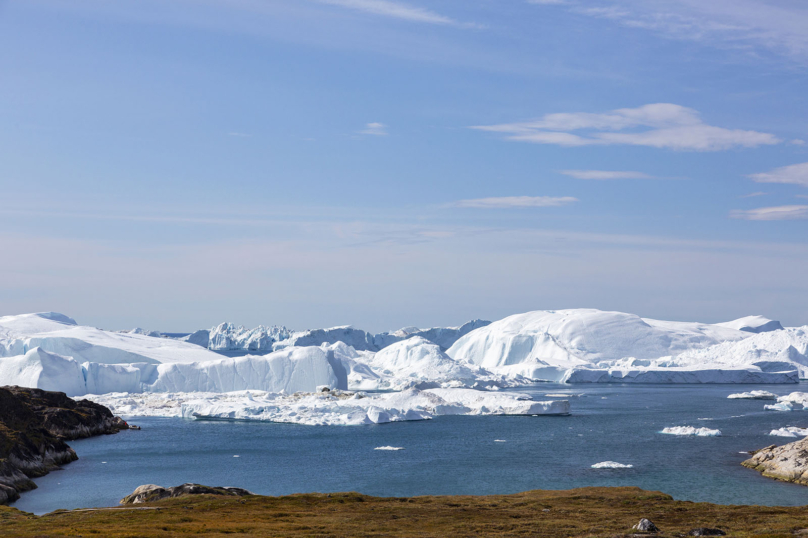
(788, 463)
(34, 425)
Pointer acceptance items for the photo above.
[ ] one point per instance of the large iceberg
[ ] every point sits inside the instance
(60, 334)
(543, 345)
(329, 407)
(228, 337)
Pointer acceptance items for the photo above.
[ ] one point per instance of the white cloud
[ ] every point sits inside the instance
(749, 25)
(605, 174)
(783, 212)
(396, 10)
(374, 129)
(506, 202)
(798, 142)
(666, 126)
(796, 174)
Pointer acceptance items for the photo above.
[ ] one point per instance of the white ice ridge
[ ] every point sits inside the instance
(611, 465)
(329, 407)
(790, 431)
(753, 395)
(543, 345)
(690, 430)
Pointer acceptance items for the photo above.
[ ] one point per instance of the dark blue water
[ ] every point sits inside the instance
(452, 455)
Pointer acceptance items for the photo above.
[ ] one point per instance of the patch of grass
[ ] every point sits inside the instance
(606, 512)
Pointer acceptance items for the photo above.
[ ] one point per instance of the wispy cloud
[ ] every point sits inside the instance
(605, 174)
(238, 134)
(507, 202)
(753, 194)
(374, 129)
(798, 142)
(398, 10)
(661, 125)
(783, 212)
(796, 174)
(748, 25)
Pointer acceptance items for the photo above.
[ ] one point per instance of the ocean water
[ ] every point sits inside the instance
(453, 455)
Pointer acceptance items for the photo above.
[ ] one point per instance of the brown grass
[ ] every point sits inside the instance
(578, 512)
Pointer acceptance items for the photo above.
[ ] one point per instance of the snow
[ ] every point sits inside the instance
(753, 395)
(545, 344)
(611, 465)
(334, 407)
(790, 431)
(690, 430)
(59, 334)
(753, 324)
(228, 337)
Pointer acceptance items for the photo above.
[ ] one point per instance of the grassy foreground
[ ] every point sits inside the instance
(578, 512)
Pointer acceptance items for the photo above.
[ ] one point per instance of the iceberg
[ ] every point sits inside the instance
(543, 345)
(328, 407)
(611, 465)
(690, 430)
(753, 324)
(790, 431)
(693, 374)
(228, 337)
(753, 395)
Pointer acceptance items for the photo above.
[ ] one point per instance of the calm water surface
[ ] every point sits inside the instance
(452, 455)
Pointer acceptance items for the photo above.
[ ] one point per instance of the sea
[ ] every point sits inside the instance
(453, 455)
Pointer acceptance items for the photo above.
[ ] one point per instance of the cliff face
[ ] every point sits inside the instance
(788, 462)
(34, 425)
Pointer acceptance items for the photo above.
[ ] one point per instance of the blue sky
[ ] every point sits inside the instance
(177, 163)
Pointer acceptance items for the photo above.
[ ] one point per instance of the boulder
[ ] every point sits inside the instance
(645, 525)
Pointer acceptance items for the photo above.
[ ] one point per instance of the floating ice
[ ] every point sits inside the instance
(334, 407)
(611, 465)
(389, 448)
(753, 395)
(690, 430)
(790, 431)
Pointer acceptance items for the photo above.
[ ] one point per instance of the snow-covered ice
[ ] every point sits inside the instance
(612, 465)
(545, 344)
(753, 324)
(690, 430)
(753, 395)
(790, 431)
(329, 408)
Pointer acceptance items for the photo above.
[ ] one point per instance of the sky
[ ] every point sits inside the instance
(173, 164)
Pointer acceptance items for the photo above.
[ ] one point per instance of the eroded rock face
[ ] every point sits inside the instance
(34, 425)
(788, 462)
(152, 492)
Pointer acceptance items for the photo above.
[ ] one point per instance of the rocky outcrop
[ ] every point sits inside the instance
(788, 462)
(150, 492)
(34, 425)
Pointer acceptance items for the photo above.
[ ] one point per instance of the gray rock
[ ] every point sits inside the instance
(645, 525)
(788, 462)
(152, 492)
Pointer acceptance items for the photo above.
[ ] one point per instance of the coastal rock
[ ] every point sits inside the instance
(788, 462)
(34, 425)
(151, 492)
(645, 525)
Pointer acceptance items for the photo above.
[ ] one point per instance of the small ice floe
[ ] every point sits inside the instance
(389, 448)
(780, 406)
(690, 430)
(236, 456)
(612, 465)
(499, 440)
(753, 395)
(103, 462)
(706, 419)
(790, 431)
(564, 395)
